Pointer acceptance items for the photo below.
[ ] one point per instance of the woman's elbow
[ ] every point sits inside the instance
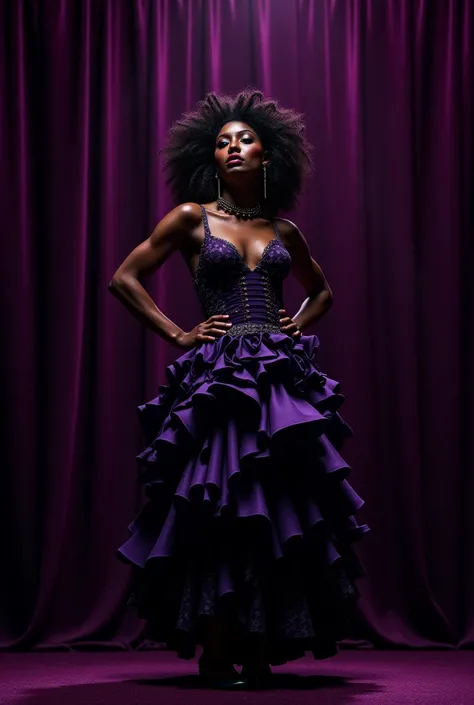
(329, 297)
(113, 285)
(117, 283)
(325, 298)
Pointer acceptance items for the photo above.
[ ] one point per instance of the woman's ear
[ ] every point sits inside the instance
(266, 159)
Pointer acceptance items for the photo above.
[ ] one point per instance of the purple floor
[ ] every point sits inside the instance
(148, 678)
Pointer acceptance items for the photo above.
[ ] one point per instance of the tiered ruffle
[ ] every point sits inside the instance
(250, 514)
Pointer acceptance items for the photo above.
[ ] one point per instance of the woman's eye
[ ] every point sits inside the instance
(224, 143)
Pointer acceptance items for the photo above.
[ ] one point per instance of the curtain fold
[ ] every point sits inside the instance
(88, 92)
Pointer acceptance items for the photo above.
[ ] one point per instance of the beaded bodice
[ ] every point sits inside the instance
(225, 283)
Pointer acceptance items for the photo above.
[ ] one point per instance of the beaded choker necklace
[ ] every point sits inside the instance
(245, 213)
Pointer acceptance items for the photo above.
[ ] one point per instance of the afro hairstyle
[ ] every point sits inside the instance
(189, 152)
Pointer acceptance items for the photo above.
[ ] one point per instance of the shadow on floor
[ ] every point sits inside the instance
(333, 690)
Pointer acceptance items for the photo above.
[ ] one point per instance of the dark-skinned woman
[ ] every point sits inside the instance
(245, 544)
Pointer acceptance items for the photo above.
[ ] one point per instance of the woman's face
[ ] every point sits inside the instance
(238, 150)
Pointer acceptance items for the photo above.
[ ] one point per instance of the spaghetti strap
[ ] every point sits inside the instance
(207, 231)
(275, 228)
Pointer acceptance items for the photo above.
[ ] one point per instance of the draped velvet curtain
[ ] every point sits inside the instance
(88, 90)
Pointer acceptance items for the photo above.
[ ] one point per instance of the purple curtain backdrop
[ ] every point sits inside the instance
(88, 90)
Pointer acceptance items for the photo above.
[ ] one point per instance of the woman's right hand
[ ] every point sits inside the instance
(206, 332)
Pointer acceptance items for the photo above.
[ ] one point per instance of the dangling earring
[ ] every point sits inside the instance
(218, 185)
(265, 182)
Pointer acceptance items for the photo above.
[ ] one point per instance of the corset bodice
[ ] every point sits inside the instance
(225, 284)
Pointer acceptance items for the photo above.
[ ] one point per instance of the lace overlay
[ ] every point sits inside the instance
(225, 284)
(212, 301)
(299, 608)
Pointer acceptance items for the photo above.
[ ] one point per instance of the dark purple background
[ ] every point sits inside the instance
(88, 91)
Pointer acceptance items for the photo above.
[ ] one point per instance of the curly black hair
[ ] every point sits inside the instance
(189, 153)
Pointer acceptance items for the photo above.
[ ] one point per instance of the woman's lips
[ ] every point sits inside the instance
(233, 161)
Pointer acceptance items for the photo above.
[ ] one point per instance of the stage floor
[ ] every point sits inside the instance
(148, 678)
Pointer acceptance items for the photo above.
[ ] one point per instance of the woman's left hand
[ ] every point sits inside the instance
(288, 325)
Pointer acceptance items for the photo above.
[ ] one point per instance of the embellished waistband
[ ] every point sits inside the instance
(246, 328)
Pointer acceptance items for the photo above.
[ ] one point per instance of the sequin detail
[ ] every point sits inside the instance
(249, 328)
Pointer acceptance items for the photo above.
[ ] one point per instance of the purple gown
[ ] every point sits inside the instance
(249, 514)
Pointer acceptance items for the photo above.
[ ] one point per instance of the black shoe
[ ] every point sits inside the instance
(217, 675)
(257, 676)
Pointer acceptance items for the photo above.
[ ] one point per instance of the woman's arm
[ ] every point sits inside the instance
(147, 258)
(310, 275)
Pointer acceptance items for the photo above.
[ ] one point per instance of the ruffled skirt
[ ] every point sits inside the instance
(250, 517)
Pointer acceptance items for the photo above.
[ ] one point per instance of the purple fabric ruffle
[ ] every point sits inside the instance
(248, 499)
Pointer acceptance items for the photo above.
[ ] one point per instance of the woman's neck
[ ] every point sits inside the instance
(242, 198)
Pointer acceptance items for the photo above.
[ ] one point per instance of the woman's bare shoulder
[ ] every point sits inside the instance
(287, 229)
(186, 215)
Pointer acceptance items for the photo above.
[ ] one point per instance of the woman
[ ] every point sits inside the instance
(244, 545)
